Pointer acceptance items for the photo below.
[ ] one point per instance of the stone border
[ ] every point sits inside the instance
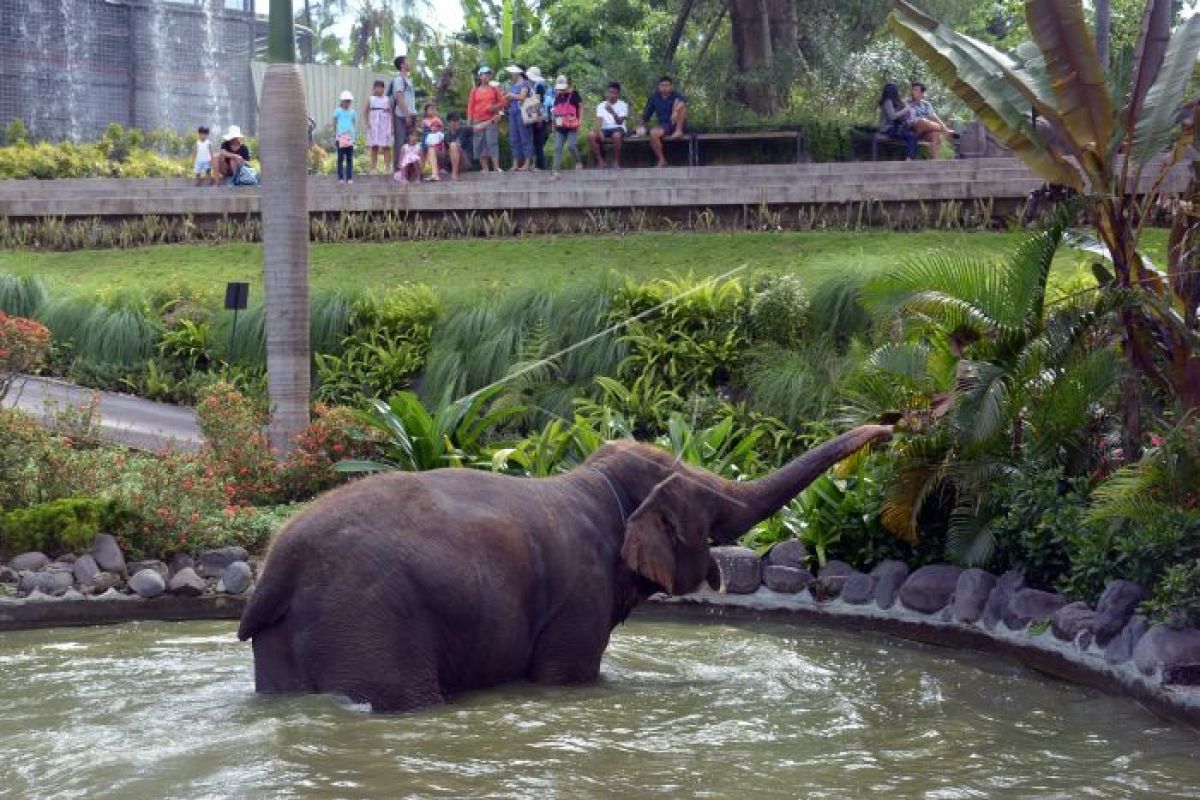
(112, 608)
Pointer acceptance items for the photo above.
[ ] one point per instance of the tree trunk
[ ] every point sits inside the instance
(685, 11)
(284, 157)
(752, 51)
(1103, 31)
(710, 34)
(754, 501)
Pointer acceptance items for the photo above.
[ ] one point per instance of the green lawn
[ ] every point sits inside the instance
(485, 266)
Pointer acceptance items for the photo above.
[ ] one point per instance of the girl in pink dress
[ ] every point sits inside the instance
(379, 125)
(410, 160)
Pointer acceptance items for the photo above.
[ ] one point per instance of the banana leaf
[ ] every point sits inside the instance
(1148, 56)
(1061, 32)
(1158, 125)
(984, 79)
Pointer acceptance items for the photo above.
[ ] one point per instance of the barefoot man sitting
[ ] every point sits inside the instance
(670, 107)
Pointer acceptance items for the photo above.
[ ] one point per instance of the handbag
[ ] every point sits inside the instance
(345, 140)
(531, 110)
(246, 176)
(566, 116)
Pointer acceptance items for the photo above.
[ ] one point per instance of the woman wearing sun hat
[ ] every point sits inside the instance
(520, 132)
(483, 116)
(541, 128)
(231, 163)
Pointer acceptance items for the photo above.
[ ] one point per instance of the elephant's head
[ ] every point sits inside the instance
(680, 509)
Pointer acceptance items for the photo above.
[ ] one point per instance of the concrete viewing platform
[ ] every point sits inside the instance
(1004, 182)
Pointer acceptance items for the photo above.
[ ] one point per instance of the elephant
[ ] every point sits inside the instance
(403, 589)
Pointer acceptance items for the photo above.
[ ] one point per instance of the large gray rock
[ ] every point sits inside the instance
(831, 578)
(859, 589)
(102, 583)
(237, 577)
(108, 553)
(52, 582)
(1166, 648)
(147, 583)
(29, 562)
(1120, 647)
(971, 594)
(740, 568)
(1115, 608)
(790, 553)
(187, 583)
(85, 570)
(180, 561)
(67, 558)
(1027, 605)
(889, 577)
(137, 566)
(213, 562)
(930, 588)
(1006, 584)
(1071, 620)
(787, 580)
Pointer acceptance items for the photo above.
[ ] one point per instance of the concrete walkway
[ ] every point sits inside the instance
(124, 419)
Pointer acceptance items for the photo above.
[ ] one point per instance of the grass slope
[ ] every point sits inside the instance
(486, 266)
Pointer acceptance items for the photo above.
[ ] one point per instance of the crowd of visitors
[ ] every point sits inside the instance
(534, 111)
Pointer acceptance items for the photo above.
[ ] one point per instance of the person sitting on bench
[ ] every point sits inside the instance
(893, 120)
(925, 122)
(610, 124)
(671, 109)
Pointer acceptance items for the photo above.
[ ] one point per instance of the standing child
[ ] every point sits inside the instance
(433, 135)
(343, 134)
(410, 159)
(202, 158)
(379, 125)
(456, 142)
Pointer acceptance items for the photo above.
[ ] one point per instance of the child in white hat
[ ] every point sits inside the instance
(343, 133)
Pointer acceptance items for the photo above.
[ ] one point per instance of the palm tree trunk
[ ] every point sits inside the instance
(1103, 31)
(754, 501)
(284, 153)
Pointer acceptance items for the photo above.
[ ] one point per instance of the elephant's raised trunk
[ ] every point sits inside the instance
(754, 501)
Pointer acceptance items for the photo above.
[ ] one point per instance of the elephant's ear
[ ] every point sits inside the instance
(656, 536)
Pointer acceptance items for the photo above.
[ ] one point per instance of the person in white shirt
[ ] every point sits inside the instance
(610, 125)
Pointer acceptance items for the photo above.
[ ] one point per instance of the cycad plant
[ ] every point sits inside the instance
(1111, 135)
(991, 377)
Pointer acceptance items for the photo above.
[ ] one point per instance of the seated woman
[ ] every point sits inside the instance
(228, 162)
(925, 122)
(893, 120)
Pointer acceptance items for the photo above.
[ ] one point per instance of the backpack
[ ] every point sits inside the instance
(566, 115)
(531, 110)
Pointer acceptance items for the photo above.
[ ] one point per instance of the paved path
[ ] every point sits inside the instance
(125, 419)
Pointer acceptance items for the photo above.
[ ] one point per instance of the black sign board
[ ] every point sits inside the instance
(237, 295)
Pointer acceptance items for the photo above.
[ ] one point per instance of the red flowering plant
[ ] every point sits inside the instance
(331, 437)
(24, 345)
(236, 450)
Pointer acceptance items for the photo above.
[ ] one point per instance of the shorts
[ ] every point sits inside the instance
(608, 133)
(486, 142)
(203, 168)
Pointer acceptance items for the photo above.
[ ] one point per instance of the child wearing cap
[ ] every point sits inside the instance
(343, 134)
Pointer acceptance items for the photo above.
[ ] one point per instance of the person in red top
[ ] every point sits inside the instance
(483, 115)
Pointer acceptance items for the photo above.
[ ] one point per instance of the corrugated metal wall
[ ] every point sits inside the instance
(322, 85)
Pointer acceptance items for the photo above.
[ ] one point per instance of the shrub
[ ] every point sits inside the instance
(60, 526)
(778, 309)
(236, 450)
(1138, 551)
(333, 436)
(24, 345)
(21, 295)
(1041, 510)
(1176, 598)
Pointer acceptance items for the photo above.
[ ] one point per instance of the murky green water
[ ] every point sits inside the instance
(685, 709)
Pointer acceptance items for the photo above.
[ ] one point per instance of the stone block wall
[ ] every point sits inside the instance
(68, 68)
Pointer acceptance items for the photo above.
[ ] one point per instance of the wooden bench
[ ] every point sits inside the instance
(748, 135)
(879, 137)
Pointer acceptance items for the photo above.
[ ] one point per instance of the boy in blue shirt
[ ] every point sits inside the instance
(670, 107)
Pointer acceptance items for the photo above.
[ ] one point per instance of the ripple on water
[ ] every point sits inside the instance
(685, 709)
